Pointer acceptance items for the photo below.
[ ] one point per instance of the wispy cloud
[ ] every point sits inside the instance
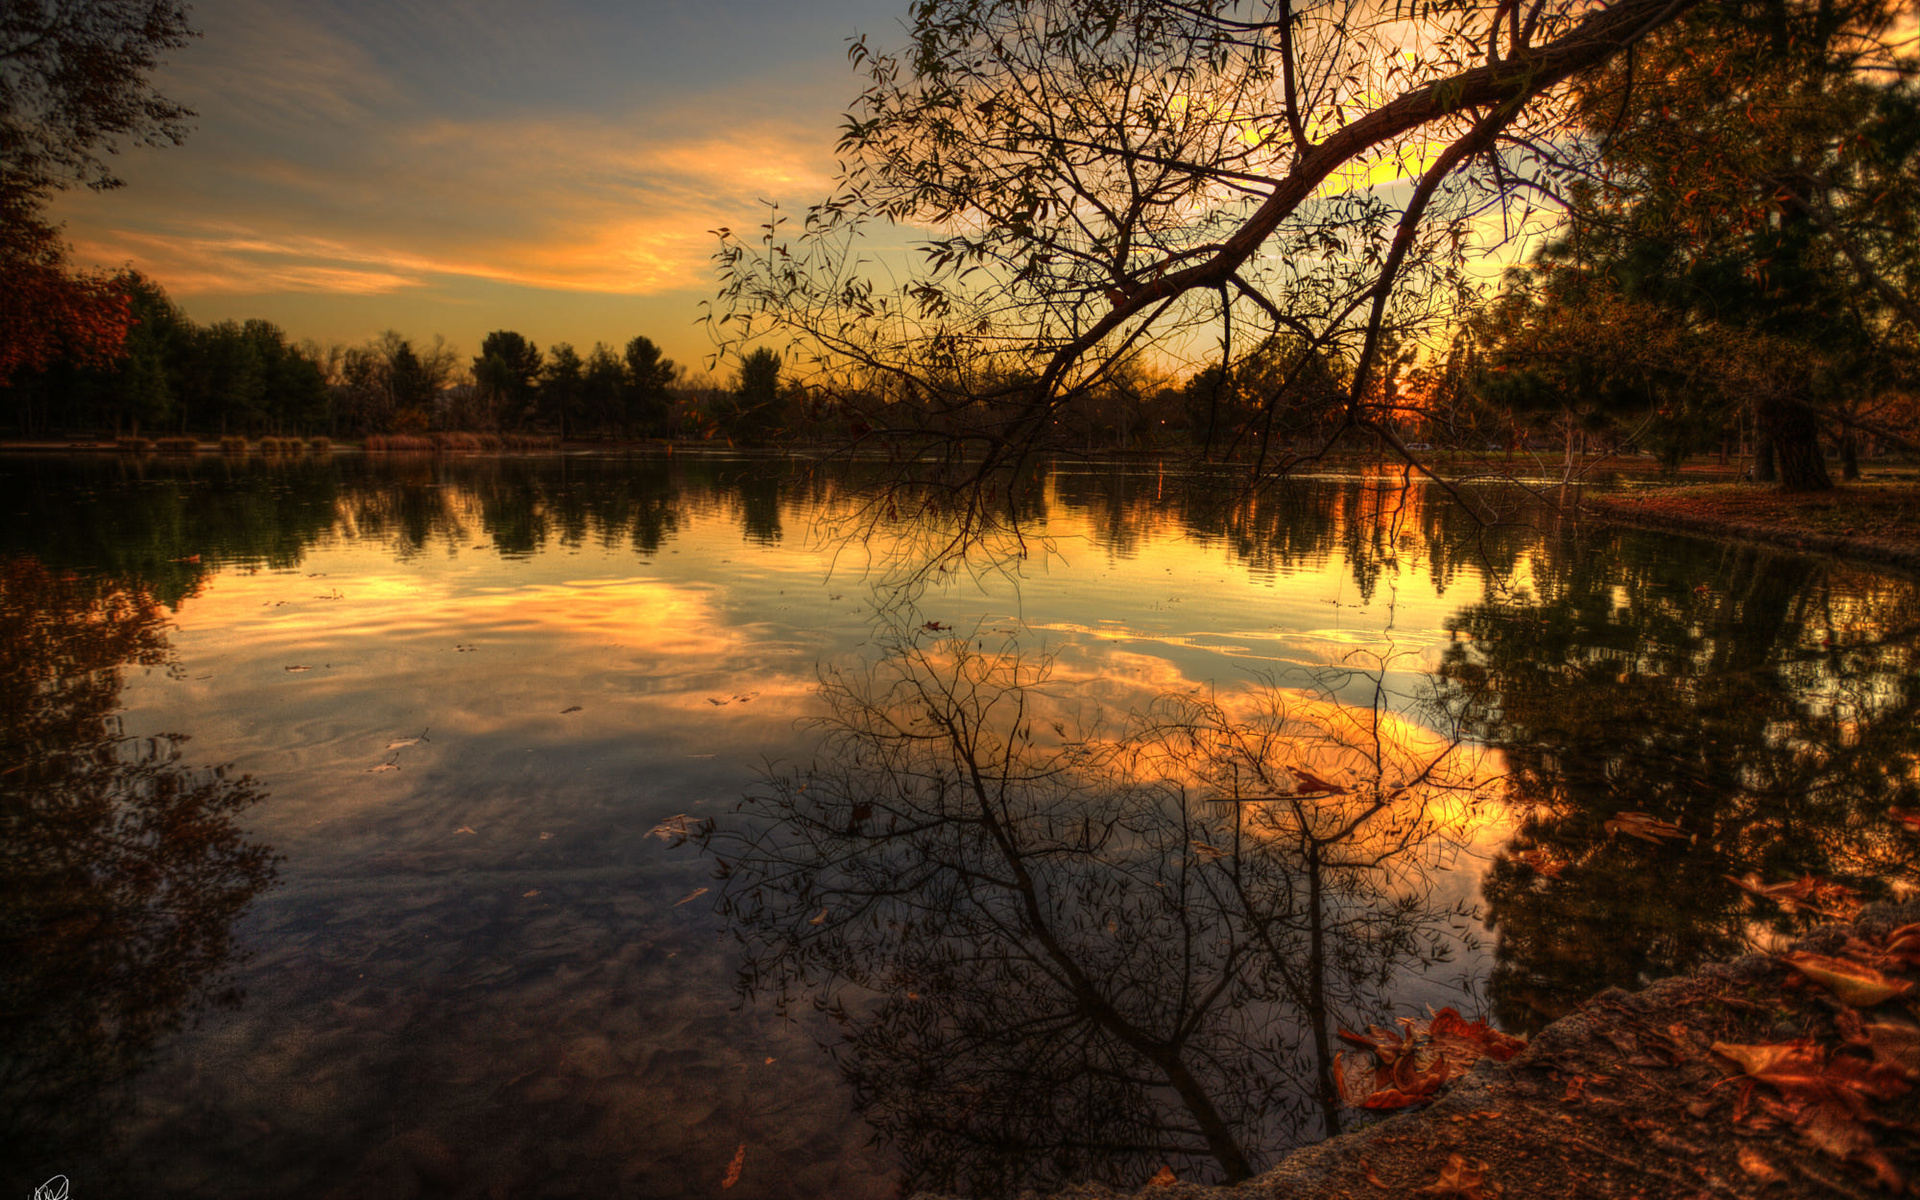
(327, 164)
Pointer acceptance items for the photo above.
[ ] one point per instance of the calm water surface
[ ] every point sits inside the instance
(345, 804)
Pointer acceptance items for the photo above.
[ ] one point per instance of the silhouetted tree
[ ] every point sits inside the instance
(649, 376)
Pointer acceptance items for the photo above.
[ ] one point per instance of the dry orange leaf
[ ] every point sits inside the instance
(1824, 1096)
(1410, 1066)
(695, 894)
(1758, 1167)
(1465, 1042)
(733, 1168)
(1896, 1045)
(1851, 983)
(1164, 1177)
(1462, 1177)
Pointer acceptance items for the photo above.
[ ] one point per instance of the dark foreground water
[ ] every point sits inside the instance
(645, 827)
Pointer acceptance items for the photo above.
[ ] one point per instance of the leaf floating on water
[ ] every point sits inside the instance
(1809, 892)
(769, 1061)
(297, 669)
(403, 743)
(816, 921)
(545, 836)
(678, 828)
(530, 895)
(1645, 826)
(1853, 984)
(465, 829)
(733, 1168)
(1541, 862)
(715, 703)
(1164, 1177)
(383, 767)
(1307, 784)
(574, 709)
(1210, 853)
(695, 894)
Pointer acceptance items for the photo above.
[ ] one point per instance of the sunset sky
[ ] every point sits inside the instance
(468, 165)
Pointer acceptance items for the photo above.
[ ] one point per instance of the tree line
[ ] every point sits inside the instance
(172, 375)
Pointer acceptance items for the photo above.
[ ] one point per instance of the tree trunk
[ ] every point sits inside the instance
(1796, 444)
(1762, 444)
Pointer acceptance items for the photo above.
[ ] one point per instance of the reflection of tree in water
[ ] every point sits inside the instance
(121, 870)
(1763, 703)
(1379, 525)
(1058, 956)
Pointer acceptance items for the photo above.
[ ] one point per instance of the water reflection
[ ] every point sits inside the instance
(122, 869)
(1056, 951)
(1762, 703)
(476, 684)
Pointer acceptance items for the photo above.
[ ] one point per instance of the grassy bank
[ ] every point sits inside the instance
(1873, 522)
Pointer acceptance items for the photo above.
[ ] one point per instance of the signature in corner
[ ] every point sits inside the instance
(52, 1189)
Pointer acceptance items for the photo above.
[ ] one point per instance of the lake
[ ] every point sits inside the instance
(670, 826)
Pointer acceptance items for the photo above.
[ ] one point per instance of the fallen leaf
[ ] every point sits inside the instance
(821, 919)
(1824, 1096)
(465, 829)
(530, 895)
(769, 1061)
(1757, 1167)
(299, 668)
(695, 894)
(403, 743)
(545, 836)
(1896, 1045)
(383, 767)
(1463, 1177)
(678, 828)
(1645, 826)
(1851, 983)
(1205, 851)
(574, 709)
(1367, 1171)
(733, 1168)
(1466, 1042)
(1164, 1177)
(1410, 1066)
